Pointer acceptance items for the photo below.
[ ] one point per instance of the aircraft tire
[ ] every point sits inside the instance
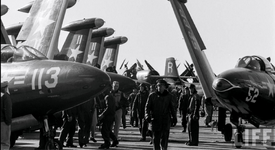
(55, 145)
(228, 132)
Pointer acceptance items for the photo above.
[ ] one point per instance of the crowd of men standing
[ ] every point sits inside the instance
(152, 109)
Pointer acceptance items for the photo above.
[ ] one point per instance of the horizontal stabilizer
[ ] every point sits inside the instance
(102, 32)
(115, 41)
(27, 7)
(84, 24)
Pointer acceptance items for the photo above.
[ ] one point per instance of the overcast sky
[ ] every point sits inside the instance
(230, 29)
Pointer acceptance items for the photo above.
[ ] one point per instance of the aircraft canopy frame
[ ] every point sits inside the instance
(258, 63)
(11, 53)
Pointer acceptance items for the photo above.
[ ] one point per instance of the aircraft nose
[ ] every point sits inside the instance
(222, 85)
(90, 79)
(94, 78)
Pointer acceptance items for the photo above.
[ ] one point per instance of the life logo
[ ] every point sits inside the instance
(45, 76)
(253, 137)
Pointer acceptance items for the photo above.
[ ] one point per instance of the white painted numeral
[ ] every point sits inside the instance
(49, 83)
(252, 94)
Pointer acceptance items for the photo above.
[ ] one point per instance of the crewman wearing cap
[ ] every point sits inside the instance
(183, 105)
(139, 108)
(6, 116)
(120, 102)
(159, 110)
(193, 117)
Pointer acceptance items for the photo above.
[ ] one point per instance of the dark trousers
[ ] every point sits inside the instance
(193, 131)
(183, 119)
(68, 129)
(124, 117)
(106, 130)
(42, 138)
(143, 127)
(133, 119)
(160, 139)
(84, 130)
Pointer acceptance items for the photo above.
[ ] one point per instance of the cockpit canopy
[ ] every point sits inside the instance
(23, 53)
(258, 63)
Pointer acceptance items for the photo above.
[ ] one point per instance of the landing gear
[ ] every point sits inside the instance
(239, 136)
(49, 132)
(228, 132)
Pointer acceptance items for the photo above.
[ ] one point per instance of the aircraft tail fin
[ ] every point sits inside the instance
(77, 43)
(195, 46)
(112, 47)
(171, 68)
(42, 27)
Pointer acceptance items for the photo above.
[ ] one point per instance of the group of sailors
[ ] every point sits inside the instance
(151, 109)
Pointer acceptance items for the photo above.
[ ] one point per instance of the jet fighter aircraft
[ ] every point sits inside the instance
(40, 87)
(242, 90)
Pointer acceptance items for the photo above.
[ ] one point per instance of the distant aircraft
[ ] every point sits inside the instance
(170, 75)
(145, 75)
(242, 90)
(40, 87)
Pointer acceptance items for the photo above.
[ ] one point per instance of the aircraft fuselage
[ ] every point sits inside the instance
(249, 93)
(40, 87)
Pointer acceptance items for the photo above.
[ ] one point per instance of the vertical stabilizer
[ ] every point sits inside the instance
(111, 52)
(42, 27)
(78, 41)
(171, 68)
(195, 46)
(96, 45)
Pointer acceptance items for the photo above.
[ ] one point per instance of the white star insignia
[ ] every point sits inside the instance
(91, 57)
(106, 63)
(75, 52)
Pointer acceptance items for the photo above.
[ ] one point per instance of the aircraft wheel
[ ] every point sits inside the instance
(228, 132)
(238, 140)
(53, 145)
